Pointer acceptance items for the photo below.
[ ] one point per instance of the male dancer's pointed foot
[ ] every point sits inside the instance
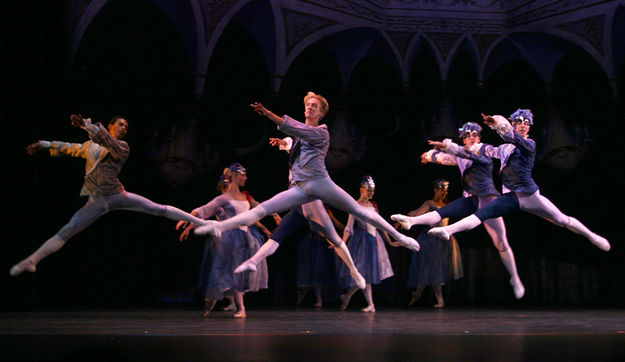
(246, 266)
(22, 266)
(441, 232)
(360, 281)
(600, 242)
(368, 309)
(403, 220)
(409, 243)
(517, 287)
(210, 227)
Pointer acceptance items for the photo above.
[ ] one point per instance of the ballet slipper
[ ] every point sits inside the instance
(441, 232)
(344, 301)
(403, 220)
(439, 305)
(210, 227)
(600, 242)
(360, 281)
(24, 265)
(517, 287)
(240, 314)
(368, 309)
(409, 243)
(209, 304)
(318, 304)
(246, 266)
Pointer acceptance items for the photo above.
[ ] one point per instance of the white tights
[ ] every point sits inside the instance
(534, 204)
(95, 207)
(306, 191)
(319, 220)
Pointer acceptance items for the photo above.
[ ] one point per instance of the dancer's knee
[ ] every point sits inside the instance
(259, 211)
(501, 245)
(561, 220)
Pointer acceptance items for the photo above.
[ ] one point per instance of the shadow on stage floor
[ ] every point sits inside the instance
(308, 334)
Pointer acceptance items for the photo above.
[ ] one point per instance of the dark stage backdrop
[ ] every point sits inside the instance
(131, 259)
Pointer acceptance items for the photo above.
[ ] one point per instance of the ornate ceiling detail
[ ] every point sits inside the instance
(300, 25)
(538, 11)
(402, 40)
(213, 11)
(483, 42)
(444, 41)
(590, 29)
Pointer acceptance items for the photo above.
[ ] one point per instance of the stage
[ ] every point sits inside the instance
(166, 334)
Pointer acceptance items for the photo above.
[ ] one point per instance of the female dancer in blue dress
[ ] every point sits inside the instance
(105, 154)
(367, 248)
(438, 260)
(521, 192)
(233, 247)
(479, 191)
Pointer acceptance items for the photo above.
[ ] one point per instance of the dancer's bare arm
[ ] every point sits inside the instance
(260, 109)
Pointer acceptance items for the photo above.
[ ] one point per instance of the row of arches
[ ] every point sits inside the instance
(284, 34)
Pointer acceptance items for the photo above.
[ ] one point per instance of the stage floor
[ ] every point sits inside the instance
(308, 334)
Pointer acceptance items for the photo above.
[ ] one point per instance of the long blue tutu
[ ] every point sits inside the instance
(315, 261)
(232, 249)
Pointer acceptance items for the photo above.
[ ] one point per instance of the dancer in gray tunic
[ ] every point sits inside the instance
(105, 154)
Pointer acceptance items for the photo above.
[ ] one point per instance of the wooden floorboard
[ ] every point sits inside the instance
(310, 334)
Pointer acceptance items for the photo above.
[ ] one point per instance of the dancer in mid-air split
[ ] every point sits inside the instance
(521, 192)
(105, 154)
(367, 247)
(479, 191)
(307, 166)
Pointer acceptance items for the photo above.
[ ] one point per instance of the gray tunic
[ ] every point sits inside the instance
(104, 154)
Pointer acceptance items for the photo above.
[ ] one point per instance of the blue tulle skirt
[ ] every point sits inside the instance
(233, 248)
(363, 248)
(316, 261)
(429, 265)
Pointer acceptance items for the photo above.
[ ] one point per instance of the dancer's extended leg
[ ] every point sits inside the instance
(539, 205)
(85, 216)
(468, 223)
(291, 223)
(280, 202)
(325, 189)
(458, 208)
(501, 206)
(138, 203)
(406, 222)
(268, 248)
(320, 221)
(497, 231)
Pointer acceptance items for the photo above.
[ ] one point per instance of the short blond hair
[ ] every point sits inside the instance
(325, 107)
